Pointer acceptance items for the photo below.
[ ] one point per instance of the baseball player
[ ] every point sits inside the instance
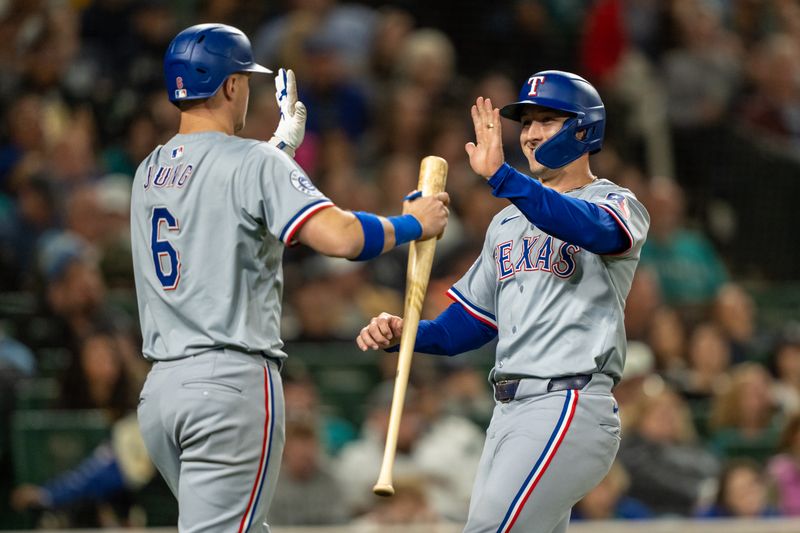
(550, 284)
(210, 216)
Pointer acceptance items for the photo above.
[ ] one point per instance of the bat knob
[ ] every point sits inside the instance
(382, 489)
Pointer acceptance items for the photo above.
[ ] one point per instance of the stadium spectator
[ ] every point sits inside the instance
(703, 73)
(666, 335)
(785, 366)
(709, 361)
(117, 467)
(745, 420)
(410, 505)
(669, 469)
(742, 493)
(74, 293)
(98, 377)
(307, 492)
(609, 500)
(302, 402)
(443, 450)
(688, 267)
(784, 469)
(734, 313)
(644, 299)
(771, 110)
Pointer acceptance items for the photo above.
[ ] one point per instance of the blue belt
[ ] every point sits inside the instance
(506, 389)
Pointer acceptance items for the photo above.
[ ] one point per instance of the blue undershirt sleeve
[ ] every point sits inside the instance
(572, 220)
(453, 332)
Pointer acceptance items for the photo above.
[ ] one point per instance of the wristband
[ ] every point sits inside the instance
(373, 236)
(406, 228)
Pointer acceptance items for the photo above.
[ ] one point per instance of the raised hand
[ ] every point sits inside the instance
(292, 126)
(486, 153)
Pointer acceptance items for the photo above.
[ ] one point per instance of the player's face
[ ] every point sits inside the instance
(538, 125)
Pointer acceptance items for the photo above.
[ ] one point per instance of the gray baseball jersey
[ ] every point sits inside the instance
(558, 309)
(210, 215)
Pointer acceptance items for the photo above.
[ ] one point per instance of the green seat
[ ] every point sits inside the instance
(17, 304)
(37, 393)
(53, 361)
(344, 375)
(45, 443)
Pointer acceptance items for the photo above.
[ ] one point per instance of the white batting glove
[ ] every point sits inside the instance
(292, 126)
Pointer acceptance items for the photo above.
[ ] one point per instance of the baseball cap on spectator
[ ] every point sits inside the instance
(114, 193)
(639, 361)
(57, 251)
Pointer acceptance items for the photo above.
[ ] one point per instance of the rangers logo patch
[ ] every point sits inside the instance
(535, 81)
(620, 201)
(301, 182)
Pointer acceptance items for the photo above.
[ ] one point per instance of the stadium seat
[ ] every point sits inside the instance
(45, 443)
(37, 393)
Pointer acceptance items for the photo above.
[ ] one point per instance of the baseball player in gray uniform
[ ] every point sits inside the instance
(210, 216)
(550, 284)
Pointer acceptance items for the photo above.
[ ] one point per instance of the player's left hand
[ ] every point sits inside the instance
(292, 126)
(486, 154)
(382, 332)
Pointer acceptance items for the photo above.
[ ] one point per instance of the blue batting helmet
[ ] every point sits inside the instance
(200, 58)
(570, 93)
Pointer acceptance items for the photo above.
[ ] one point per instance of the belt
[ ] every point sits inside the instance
(506, 389)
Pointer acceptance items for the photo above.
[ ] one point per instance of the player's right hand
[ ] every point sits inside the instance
(431, 212)
(382, 332)
(292, 126)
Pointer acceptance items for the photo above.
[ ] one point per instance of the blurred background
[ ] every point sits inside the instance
(703, 101)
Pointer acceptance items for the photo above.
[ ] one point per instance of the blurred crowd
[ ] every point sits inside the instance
(703, 100)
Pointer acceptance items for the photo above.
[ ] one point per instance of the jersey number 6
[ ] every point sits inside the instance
(162, 249)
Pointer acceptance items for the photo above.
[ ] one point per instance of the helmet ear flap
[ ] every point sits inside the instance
(562, 148)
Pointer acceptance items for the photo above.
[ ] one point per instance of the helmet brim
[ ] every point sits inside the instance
(255, 67)
(514, 111)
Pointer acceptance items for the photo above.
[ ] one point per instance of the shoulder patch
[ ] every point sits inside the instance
(620, 201)
(301, 182)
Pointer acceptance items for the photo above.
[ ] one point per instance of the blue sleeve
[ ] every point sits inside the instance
(96, 478)
(572, 220)
(453, 332)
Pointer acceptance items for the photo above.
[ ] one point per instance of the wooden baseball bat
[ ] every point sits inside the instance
(432, 179)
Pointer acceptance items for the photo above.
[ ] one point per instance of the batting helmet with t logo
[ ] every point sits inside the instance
(200, 58)
(572, 94)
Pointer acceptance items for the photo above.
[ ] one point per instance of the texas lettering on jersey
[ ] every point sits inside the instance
(538, 253)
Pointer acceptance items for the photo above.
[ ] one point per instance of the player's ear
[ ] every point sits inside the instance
(230, 86)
